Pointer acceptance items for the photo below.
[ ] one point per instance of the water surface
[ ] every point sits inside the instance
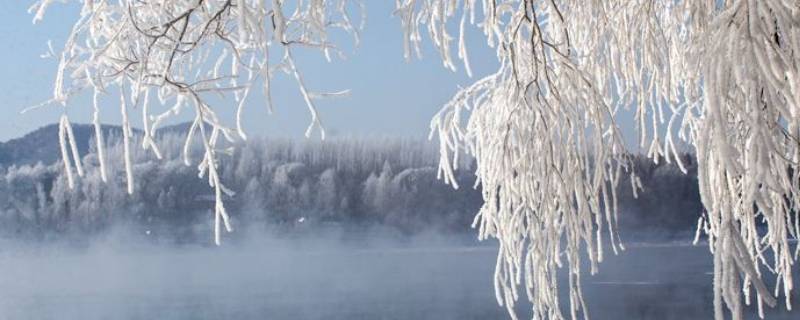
(285, 279)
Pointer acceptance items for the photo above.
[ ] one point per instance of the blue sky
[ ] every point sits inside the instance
(389, 95)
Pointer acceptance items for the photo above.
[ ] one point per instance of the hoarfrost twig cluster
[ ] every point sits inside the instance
(182, 51)
(721, 75)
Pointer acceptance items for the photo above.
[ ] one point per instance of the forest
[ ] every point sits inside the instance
(287, 185)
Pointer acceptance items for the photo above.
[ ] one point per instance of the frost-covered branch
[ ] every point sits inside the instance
(747, 146)
(721, 75)
(183, 51)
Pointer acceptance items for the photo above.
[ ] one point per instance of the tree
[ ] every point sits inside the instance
(180, 52)
(722, 75)
(327, 197)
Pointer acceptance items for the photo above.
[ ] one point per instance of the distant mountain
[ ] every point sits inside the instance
(41, 145)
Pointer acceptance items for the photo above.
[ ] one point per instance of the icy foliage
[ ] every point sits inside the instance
(543, 128)
(181, 52)
(747, 146)
(721, 75)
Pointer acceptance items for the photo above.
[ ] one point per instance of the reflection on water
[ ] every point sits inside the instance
(271, 279)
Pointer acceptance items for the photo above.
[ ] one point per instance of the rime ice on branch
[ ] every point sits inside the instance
(179, 53)
(720, 75)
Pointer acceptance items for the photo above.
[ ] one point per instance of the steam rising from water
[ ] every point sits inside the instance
(372, 277)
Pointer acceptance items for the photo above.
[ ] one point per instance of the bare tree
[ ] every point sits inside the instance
(721, 75)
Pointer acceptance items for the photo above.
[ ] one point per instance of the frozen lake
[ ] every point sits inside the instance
(270, 279)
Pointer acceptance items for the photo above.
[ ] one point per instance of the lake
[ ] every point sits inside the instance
(321, 279)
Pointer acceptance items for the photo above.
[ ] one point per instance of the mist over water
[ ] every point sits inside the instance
(351, 229)
(326, 275)
(260, 277)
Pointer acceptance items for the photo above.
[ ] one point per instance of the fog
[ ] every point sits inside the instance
(348, 229)
(330, 275)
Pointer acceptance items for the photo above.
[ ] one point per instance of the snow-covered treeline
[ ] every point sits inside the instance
(389, 182)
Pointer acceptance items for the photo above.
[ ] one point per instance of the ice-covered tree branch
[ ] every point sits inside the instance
(721, 75)
(182, 52)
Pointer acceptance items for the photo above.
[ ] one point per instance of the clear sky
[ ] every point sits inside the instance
(389, 95)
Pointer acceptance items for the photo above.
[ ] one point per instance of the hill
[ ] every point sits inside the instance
(41, 145)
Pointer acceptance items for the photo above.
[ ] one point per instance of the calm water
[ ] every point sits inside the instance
(270, 279)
